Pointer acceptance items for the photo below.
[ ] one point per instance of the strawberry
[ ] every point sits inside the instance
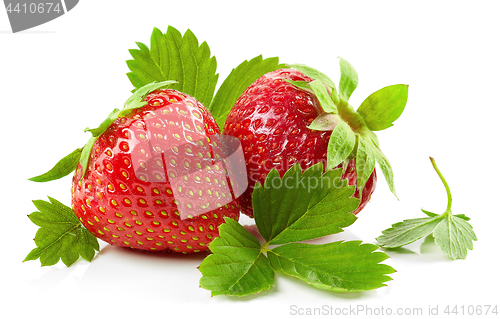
(288, 117)
(270, 118)
(153, 178)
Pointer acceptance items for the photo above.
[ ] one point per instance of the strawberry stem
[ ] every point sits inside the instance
(448, 208)
(355, 121)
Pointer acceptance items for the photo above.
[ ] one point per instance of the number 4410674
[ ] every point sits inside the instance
(34, 8)
(472, 310)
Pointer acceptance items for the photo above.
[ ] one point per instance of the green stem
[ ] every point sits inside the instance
(448, 208)
(348, 114)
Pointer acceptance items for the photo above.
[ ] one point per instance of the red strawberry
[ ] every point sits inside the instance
(125, 196)
(270, 118)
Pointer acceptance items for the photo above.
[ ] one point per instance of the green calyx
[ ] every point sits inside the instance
(353, 130)
(81, 155)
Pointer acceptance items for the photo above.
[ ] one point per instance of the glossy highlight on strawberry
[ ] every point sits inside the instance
(270, 118)
(125, 199)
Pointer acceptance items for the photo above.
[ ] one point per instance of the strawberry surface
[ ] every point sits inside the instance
(270, 119)
(155, 180)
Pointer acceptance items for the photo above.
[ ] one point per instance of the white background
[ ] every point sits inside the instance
(65, 75)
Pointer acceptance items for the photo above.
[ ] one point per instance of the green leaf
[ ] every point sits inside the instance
(238, 81)
(462, 216)
(386, 168)
(303, 205)
(175, 57)
(64, 167)
(237, 266)
(340, 145)
(135, 101)
(338, 266)
(84, 157)
(365, 162)
(348, 80)
(454, 235)
(428, 213)
(325, 100)
(61, 235)
(325, 122)
(314, 74)
(105, 124)
(408, 231)
(303, 85)
(383, 107)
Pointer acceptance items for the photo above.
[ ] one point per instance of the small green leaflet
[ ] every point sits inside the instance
(327, 100)
(348, 80)
(303, 205)
(63, 168)
(365, 161)
(452, 233)
(338, 266)
(296, 207)
(104, 125)
(303, 85)
(382, 108)
(61, 235)
(136, 100)
(237, 266)
(323, 97)
(325, 122)
(408, 231)
(386, 168)
(314, 74)
(340, 145)
(175, 57)
(237, 81)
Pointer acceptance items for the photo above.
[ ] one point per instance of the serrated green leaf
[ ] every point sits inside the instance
(238, 81)
(408, 231)
(61, 235)
(64, 167)
(338, 266)
(237, 266)
(365, 162)
(144, 68)
(454, 235)
(340, 145)
(303, 205)
(348, 80)
(325, 100)
(314, 74)
(175, 57)
(382, 108)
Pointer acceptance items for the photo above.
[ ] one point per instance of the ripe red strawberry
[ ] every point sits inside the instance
(270, 118)
(155, 180)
